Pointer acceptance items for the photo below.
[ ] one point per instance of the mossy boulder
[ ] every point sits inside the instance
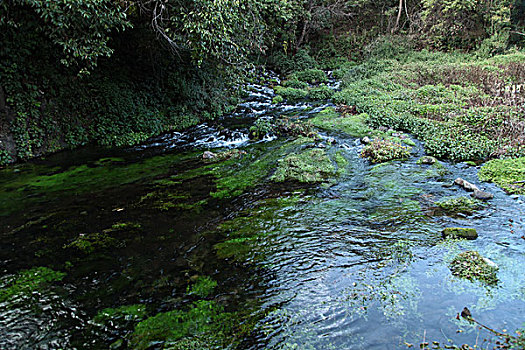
(384, 150)
(427, 160)
(460, 232)
(464, 205)
(472, 266)
(309, 166)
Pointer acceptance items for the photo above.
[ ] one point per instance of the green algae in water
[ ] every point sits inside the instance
(47, 183)
(202, 287)
(90, 242)
(309, 166)
(28, 281)
(204, 320)
(233, 177)
(247, 234)
(506, 173)
(133, 312)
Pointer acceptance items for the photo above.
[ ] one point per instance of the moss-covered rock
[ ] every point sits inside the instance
(321, 92)
(472, 266)
(291, 94)
(312, 165)
(506, 173)
(460, 232)
(311, 76)
(384, 150)
(427, 160)
(461, 204)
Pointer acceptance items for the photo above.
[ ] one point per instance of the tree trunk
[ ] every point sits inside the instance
(2, 100)
(400, 10)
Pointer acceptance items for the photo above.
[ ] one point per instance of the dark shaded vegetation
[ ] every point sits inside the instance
(118, 73)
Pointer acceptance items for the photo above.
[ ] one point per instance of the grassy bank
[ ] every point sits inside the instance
(462, 107)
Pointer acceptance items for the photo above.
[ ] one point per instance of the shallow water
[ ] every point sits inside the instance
(358, 263)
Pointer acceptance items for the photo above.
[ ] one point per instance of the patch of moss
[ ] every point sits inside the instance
(465, 205)
(48, 183)
(204, 320)
(27, 281)
(506, 173)
(133, 312)
(472, 266)
(309, 166)
(234, 177)
(353, 125)
(88, 243)
(247, 234)
(202, 287)
(384, 150)
(460, 232)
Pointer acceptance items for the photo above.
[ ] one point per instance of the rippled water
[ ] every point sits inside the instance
(356, 264)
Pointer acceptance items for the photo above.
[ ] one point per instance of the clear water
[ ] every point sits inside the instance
(358, 264)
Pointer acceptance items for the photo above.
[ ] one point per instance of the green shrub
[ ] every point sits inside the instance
(261, 128)
(321, 92)
(294, 83)
(311, 76)
(5, 157)
(291, 94)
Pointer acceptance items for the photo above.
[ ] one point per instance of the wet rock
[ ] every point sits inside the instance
(460, 232)
(330, 140)
(366, 140)
(466, 185)
(427, 160)
(478, 194)
(208, 155)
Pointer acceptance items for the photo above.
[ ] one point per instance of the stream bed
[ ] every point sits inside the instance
(154, 246)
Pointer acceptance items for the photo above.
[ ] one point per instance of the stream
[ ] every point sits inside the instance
(356, 262)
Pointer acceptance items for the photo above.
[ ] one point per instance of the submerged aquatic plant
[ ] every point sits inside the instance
(472, 266)
(27, 281)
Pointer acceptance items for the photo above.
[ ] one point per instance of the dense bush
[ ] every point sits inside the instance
(311, 76)
(321, 92)
(291, 94)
